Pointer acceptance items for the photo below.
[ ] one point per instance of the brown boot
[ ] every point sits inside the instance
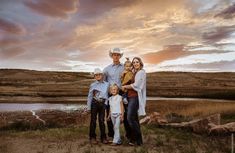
(105, 141)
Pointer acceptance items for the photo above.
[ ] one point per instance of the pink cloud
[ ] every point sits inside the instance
(227, 13)
(59, 8)
(11, 27)
(11, 52)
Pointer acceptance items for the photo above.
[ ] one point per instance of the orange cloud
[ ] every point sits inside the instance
(172, 52)
(168, 53)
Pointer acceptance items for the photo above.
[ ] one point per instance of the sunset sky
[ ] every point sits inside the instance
(76, 35)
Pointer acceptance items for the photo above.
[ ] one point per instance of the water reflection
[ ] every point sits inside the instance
(40, 106)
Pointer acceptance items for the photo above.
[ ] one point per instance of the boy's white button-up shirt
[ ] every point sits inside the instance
(102, 87)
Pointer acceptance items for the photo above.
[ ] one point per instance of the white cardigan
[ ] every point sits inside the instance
(140, 87)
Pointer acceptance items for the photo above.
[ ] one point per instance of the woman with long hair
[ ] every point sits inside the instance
(136, 100)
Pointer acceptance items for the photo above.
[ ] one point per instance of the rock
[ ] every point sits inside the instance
(154, 118)
(145, 120)
(223, 129)
(162, 121)
(199, 125)
(203, 125)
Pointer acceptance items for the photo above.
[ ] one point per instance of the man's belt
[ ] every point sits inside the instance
(100, 100)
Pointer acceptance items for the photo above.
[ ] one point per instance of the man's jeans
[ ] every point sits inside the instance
(97, 108)
(116, 125)
(132, 118)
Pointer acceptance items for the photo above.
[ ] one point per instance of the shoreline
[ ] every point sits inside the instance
(82, 100)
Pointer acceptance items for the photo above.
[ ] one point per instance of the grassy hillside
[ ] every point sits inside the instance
(44, 86)
(188, 84)
(38, 86)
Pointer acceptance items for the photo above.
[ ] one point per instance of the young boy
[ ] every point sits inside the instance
(116, 113)
(97, 98)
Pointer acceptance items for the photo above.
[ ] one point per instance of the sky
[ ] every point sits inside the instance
(76, 35)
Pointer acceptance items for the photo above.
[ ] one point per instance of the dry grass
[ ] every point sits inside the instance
(192, 109)
(73, 140)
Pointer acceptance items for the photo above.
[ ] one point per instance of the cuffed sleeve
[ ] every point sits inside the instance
(89, 98)
(140, 81)
(140, 87)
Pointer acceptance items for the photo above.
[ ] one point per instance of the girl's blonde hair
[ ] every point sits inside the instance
(114, 86)
(127, 61)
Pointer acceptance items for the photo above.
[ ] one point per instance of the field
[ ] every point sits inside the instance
(65, 87)
(156, 139)
(26, 86)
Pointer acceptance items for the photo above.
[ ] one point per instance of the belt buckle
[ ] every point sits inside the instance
(98, 99)
(101, 100)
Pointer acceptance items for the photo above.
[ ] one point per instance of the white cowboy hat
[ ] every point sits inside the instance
(115, 50)
(97, 71)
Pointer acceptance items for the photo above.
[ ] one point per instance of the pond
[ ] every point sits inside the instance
(40, 106)
(82, 106)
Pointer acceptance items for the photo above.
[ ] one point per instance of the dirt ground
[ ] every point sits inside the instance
(75, 140)
(37, 145)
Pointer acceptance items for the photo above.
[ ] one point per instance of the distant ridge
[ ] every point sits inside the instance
(52, 86)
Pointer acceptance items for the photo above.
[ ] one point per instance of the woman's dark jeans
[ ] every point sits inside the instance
(126, 124)
(133, 120)
(97, 108)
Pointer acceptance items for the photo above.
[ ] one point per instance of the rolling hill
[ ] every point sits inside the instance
(18, 85)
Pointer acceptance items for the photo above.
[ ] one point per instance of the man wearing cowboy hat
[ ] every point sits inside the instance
(97, 98)
(112, 74)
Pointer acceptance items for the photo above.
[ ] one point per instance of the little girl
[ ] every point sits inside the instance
(116, 112)
(126, 78)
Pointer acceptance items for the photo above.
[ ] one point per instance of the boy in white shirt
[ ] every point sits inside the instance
(96, 101)
(116, 112)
